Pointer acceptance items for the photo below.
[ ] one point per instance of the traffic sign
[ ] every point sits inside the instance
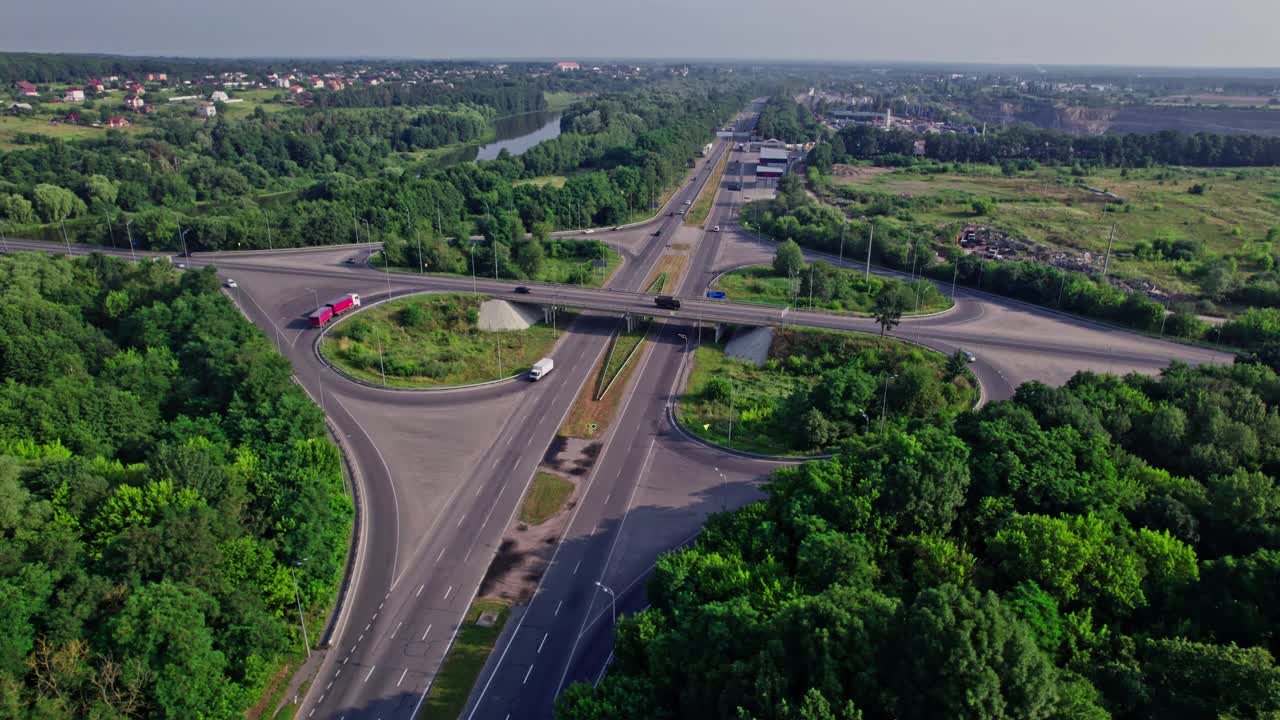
(715, 294)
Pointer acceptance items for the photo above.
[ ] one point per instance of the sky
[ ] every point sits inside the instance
(1093, 32)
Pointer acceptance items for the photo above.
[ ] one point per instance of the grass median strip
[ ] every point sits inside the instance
(449, 692)
(547, 495)
(702, 206)
(666, 274)
(589, 418)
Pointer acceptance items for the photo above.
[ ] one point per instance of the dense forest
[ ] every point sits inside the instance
(279, 179)
(1167, 147)
(1110, 548)
(163, 485)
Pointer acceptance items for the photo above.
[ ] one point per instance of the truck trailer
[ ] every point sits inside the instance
(541, 368)
(333, 308)
(706, 150)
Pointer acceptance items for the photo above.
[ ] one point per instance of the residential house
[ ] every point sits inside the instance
(218, 96)
(283, 82)
(206, 110)
(117, 122)
(27, 89)
(94, 86)
(317, 83)
(295, 90)
(334, 84)
(18, 107)
(133, 102)
(566, 66)
(375, 81)
(157, 77)
(73, 95)
(136, 88)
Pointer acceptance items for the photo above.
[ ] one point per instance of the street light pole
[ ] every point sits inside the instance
(724, 488)
(65, 239)
(110, 231)
(613, 601)
(4, 239)
(843, 225)
(870, 241)
(183, 236)
(954, 274)
(301, 621)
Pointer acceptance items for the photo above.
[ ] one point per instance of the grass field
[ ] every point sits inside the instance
(559, 99)
(702, 206)
(431, 341)
(547, 495)
(767, 402)
(1231, 217)
(12, 126)
(666, 276)
(559, 271)
(759, 284)
(555, 181)
(625, 344)
(464, 662)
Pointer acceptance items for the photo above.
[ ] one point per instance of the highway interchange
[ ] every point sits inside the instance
(439, 475)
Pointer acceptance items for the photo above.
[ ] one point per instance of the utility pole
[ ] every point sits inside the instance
(418, 232)
(182, 234)
(810, 286)
(133, 253)
(381, 365)
(298, 596)
(843, 225)
(870, 242)
(4, 239)
(954, 274)
(1106, 261)
(269, 245)
(65, 239)
(473, 266)
(730, 412)
(884, 402)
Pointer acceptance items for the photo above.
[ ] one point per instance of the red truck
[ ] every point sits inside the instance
(333, 308)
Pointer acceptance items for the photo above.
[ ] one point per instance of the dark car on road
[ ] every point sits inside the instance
(522, 290)
(666, 302)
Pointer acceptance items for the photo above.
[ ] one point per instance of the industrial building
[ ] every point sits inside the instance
(773, 156)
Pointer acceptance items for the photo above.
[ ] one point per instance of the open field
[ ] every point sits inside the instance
(771, 405)
(1231, 217)
(666, 274)
(555, 181)
(559, 99)
(12, 126)
(431, 341)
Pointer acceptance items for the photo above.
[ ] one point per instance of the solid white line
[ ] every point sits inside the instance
(406, 672)
(366, 677)
(544, 642)
(527, 673)
(395, 499)
(424, 632)
(393, 632)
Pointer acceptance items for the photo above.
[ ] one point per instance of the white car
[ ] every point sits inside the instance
(231, 283)
(688, 202)
(968, 356)
(715, 229)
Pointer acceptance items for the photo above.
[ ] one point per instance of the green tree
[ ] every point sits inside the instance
(788, 261)
(889, 306)
(54, 203)
(956, 652)
(530, 256)
(17, 209)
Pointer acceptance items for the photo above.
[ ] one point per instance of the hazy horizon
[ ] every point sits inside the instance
(1136, 33)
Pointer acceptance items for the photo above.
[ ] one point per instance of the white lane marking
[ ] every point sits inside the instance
(326, 687)
(366, 677)
(575, 567)
(528, 442)
(406, 672)
(419, 589)
(448, 592)
(606, 498)
(464, 557)
(360, 638)
(424, 632)
(544, 642)
(557, 612)
(393, 632)
(321, 700)
(464, 517)
(366, 628)
(527, 673)
(338, 673)
(604, 569)
(380, 605)
(375, 616)
(441, 553)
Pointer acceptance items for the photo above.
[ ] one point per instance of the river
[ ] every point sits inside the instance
(515, 134)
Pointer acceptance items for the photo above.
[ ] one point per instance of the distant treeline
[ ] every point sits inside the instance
(505, 96)
(1167, 147)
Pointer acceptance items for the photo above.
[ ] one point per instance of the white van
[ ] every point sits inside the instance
(541, 368)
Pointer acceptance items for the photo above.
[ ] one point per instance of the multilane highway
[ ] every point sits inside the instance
(440, 475)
